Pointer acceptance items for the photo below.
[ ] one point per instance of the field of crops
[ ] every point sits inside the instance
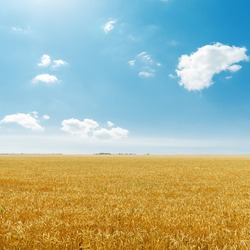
(124, 202)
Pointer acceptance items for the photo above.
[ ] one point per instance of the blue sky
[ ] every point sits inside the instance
(142, 76)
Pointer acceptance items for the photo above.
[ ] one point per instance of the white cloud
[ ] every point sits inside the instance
(145, 57)
(146, 74)
(45, 78)
(118, 132)
(45, 61)
(46, 117)
(145, 65)
(58, 63)
(25, 120)
(234, 68)
(197, 70)
(89, 128)
(131, 63)
(110, 124)
(109, 26)
(113, 133)
(79, 128)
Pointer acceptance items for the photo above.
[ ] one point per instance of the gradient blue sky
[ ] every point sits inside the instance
(141, 76)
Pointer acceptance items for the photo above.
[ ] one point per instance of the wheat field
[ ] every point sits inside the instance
(124, 202)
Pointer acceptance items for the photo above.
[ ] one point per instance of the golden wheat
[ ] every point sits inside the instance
(124, 202)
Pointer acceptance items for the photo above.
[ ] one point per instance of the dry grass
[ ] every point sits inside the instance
(133, 202)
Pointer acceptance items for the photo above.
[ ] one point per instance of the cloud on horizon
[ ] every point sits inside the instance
(89, 128)
(113, 133)
(197, 70)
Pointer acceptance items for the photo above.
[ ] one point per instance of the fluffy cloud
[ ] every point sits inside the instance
(89, 128)
(45, 61)
(46, 79)
(25, 120)
(234, 68)
(46, 117)
(58, 63)
(110, 124)
(109, 26)
(79, 128)
(197, 70)
(144, 63)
